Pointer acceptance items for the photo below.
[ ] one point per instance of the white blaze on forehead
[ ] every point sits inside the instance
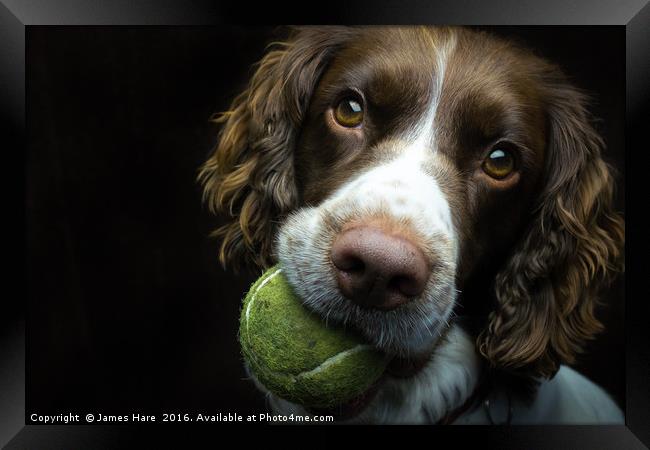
(422, 133)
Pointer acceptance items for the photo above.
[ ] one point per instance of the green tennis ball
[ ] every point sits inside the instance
(295, 356)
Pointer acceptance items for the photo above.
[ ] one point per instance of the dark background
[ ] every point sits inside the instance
(129, 310)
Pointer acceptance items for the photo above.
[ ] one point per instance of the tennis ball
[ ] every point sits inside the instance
(294, 355)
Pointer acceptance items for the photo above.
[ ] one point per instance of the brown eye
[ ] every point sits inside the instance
(349, 112)
(499, 164)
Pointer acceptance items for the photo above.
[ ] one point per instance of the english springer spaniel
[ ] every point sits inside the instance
(442, 192)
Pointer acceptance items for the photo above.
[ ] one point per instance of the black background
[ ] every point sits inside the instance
(128, 308)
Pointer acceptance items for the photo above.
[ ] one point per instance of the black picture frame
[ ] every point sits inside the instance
(17, 16)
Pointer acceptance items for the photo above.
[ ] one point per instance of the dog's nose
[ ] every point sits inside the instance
(378, 270)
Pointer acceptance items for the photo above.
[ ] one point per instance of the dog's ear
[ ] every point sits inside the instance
(547, 292)
(250, 174)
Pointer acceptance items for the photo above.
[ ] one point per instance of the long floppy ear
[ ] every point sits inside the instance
(547, 292)
(249, 175)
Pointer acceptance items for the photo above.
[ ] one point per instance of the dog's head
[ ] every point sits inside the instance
(402, 174)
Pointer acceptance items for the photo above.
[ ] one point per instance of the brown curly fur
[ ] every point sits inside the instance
(547, 292)
(250, 173)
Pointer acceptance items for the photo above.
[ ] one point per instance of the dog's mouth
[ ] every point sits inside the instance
(398, 367)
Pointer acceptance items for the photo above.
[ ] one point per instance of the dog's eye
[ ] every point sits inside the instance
(349, 112)
(499, 163)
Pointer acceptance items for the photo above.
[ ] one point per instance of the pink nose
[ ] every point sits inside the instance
(378, 270)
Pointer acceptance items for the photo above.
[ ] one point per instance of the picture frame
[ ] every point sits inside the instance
(16, 18)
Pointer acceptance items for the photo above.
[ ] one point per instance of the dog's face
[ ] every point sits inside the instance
(413, 143)
(403, 176)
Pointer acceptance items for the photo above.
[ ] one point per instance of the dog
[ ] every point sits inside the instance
(441, 191)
